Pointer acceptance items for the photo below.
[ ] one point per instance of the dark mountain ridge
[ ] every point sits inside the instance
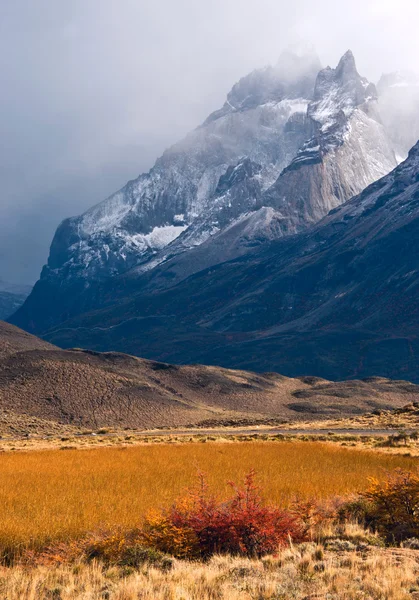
(340, 300)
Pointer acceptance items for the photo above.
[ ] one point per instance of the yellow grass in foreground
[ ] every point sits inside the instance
(59, 494)
(303, 573)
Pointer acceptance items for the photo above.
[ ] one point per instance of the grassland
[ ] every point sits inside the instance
(307, 572)
(57, 495)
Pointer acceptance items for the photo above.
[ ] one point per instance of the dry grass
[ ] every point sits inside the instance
(406, 417)
(308, 572)
(60, 494)
(117, 438)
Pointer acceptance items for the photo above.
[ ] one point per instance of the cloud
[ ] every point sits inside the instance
(94, 90)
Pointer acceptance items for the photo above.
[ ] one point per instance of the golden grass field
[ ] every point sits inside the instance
(307, 572)
(61, 494)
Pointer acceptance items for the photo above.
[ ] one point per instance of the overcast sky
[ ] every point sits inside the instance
(92, 91)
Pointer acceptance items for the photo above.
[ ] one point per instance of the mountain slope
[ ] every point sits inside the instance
(338, 301)
(13, 340)
(290, 143)
(41, 386)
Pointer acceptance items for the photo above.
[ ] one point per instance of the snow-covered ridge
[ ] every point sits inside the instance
(128, 203)
(276, 118)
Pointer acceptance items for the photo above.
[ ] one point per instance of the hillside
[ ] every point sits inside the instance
(13, 340)
(89, 389)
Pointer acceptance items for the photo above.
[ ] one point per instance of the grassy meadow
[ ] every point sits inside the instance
(304, 573)
(62, 494)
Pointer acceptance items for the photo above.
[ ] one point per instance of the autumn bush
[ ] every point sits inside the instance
(199, 525)
(115, 547)
(314, 514)
(390, 506)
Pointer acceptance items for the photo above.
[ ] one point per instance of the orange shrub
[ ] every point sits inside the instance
(313, 513)
(112, 547)
(393, 505)
(198, 526)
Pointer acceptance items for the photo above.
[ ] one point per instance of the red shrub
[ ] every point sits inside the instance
(199, 526)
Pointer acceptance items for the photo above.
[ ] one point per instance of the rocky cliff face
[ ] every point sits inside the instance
(349, 148)
(291, 143)
(338, 300)
(263, 120)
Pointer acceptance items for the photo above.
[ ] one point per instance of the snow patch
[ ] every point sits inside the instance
(159, 237)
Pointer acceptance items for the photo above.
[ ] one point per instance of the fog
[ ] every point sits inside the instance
(94, 90)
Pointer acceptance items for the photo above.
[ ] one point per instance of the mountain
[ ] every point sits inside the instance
(11, 298)
(291, 142)
(43, 389)
(153, 210)
(348, 149)
(339, 300)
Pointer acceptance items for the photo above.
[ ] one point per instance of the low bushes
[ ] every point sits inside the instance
(199, 526)
(391, 507)
(111, 547)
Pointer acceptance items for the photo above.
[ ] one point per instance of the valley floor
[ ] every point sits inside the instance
(49, 496)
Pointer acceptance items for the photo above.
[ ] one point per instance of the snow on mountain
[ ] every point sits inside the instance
(263, 119)
(348, 149)
(293, 138)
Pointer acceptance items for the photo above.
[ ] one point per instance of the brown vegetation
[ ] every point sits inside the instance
(338, 562)
(75, 388)
(13, 339)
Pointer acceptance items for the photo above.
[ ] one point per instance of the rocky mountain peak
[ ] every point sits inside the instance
(288, 139)
(347, 65)
(340, 89)
(292, 77)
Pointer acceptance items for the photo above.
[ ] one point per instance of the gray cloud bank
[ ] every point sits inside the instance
(94, 90)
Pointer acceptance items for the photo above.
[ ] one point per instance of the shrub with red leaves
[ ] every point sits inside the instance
(199, 526)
